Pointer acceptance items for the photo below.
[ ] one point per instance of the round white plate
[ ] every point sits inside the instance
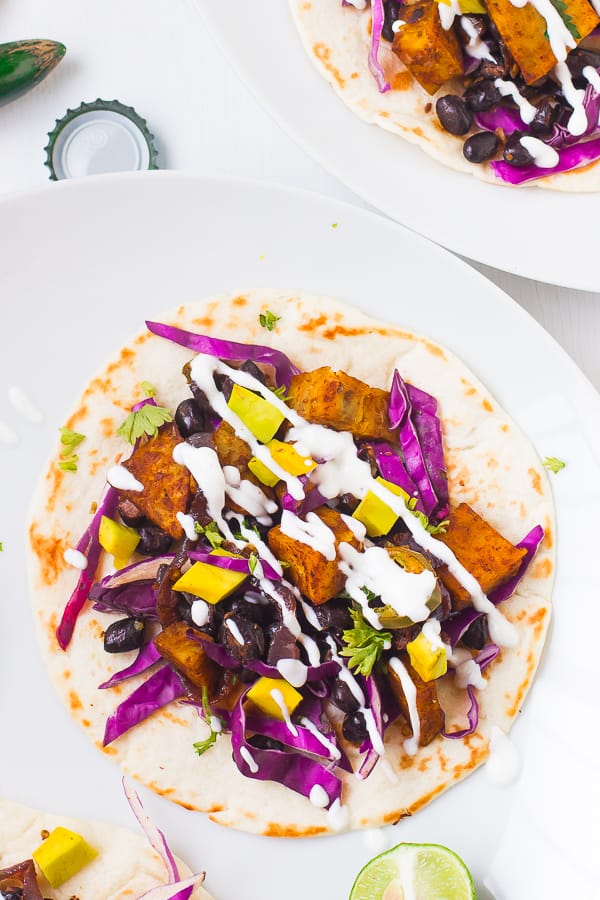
(82, 265)
(535, 233)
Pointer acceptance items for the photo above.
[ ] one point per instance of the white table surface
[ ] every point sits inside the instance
(157, 56)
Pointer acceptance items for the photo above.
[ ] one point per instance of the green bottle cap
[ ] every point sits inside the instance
(100, 137)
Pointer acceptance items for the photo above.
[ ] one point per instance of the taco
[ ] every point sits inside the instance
(285, 516)
(48, 857)
(507, 91)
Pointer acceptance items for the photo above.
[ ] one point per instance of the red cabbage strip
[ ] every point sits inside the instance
(502, 117)
(569, 158)
(136, 598)
(392, 469)
(155, 836)
(179, 890)
(292, 770)
(146, 657)
(483, 659)
(400, 415)
(230, 350)
(457, 624)
(429, 431)
(234, 564)
(304, 741)
(376, 69)
(312, 500)
(160, 689)
(93, 551)
(374, 700)
(562, 137)
(145, 570)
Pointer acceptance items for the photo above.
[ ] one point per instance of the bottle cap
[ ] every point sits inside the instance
(100, 137)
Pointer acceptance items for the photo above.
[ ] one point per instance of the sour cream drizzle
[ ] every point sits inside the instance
(75, 558)
(188, 525)
(527, 110)
(476, 48)
(203, 464)
(253, 538)
(249, 760)
(560, 38)
(121, 478)
(235, 631)
(278, 699)
(448, 12)
(348, 678)
(589, 72)
(543, 156)
(333, 751)
(411, 745)
(311, 531)
(318, 796)
(199, 612)
(248, 495)
(293, 670)
(577, 123)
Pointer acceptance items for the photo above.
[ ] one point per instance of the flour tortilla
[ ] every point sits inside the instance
(125, 868)
(337, 40)
(492, 466)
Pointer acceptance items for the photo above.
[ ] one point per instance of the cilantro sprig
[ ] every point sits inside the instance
(69, 441)
(211, 533)
(553, 464)
(268, 319)
(364, 644)
(145, 420)
(202, 746)
(562, 9)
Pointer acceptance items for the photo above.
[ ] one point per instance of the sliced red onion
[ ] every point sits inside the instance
(233, 563)
(155, 836)
(180, 890)
(376, 69)
(145, 570)
(159, 690)
(93, 552)
(147, 656)
(230, 350)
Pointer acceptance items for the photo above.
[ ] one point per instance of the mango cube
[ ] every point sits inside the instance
(289, 459)
(261, 694)
(62, 855)
(210, 583)
(429, 662)
(117, 539)
(377, 517)
(263, 474)
(468, 6)
(258, 415)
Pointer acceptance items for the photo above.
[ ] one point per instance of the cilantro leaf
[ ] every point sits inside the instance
(281, 393)
(148, 388)
(553, 464)
(1, 546)
(69, 465)
(561, 8)
(70, 440)
(252, 563)
(202, 746)
(268, 319)
(146, 420)
(211, 533)
(439, 528)
(364, 644)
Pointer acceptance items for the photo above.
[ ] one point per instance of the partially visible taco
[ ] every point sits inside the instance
(305, 510)
(505, 90)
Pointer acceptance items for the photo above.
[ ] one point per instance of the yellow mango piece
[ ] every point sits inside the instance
(62, 855)
(263, 474)
(258, 415)
(429, 662)
(210, 583)
(468, 6)
(117, 539)
(286, 456)
(377, 517)
(261, 694)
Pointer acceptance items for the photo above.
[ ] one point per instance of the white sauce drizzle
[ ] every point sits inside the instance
(19, 400)
(543, 156)
(476, 48)
(448, 12)
(248, 495)
(388, 771)
(187, 523)
(278, 699)
(504, 763)
(121, 478)
(216, 725)
(293, 671)
(312, 649)
(311, 616)
(338, 815)
(75, 558)
(8, 435)
(318, 796)
(357, 528)
(397, 25)
(311, 531)
(249, 760)
(432, 633)
(253, 538)
(235, 631)
(199, 613)
(560, 38)
(577, 123)
(589, 72)
(411, 745)
(350, 681)
(203, 463)
(333, 751)
(527, 110)
(288, 618)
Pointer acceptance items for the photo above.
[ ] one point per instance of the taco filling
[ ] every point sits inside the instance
(288, 561)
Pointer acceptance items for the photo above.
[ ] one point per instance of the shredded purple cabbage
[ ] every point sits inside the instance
(375, 67)
(286, 767)
(135, 599)
(160, 689)
(305, 741)
(233, 563)
(569, 158)
(392, 469)
(230, 350)
(483, 659)
(145, 659)
(311, 501)
(374, 701)
(90, 546)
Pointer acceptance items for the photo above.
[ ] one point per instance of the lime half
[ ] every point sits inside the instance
(414, 872)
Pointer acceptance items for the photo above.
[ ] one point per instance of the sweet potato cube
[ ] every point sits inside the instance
(167, 485)
(488, 556)
(316, 577)
(525, 32)
(187, 656)
(429, 710)
(233, 451)
(342, 402)
(431, 54)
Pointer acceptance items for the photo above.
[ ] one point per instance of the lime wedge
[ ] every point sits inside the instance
(414, 872)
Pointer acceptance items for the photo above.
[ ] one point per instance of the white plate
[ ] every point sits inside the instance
(81, 265)
(538, 234)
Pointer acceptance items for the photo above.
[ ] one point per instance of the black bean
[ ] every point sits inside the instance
(546, 114)
(15, 893)
(342, 696)
(347, 503)
(391, 12)
(282, 645)
(481, 146)
(224, 384)
(259, 612)
(130, 514)
(262, 742)
(498, 66)
(252, 369)
(515, 153)
(184, 609)
(202, 439)
(354, 728)
(482, 95)
(190, 418)
(476, 636)
(125, 634)
(453, 114)
(253, 638)
(153, 541)
(334, 615)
